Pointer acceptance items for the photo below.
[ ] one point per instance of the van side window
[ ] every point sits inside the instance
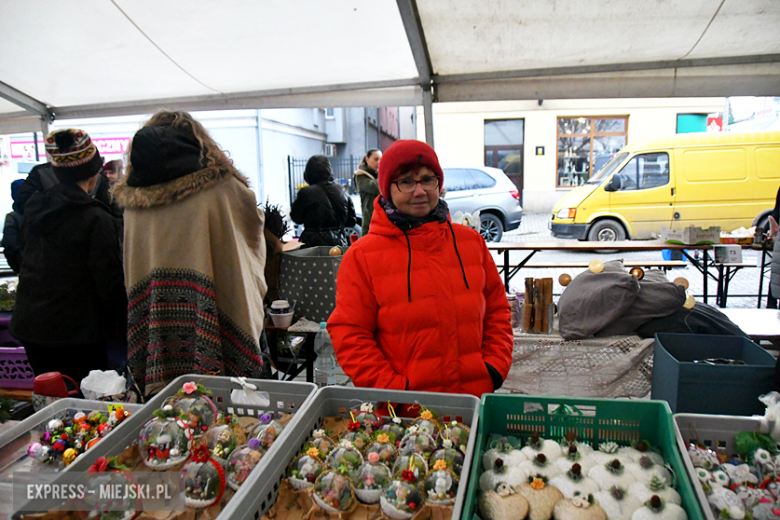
(645, 171)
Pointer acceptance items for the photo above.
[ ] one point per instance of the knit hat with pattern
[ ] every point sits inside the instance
(74, 157)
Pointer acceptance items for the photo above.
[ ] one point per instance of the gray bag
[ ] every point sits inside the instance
(308, 276)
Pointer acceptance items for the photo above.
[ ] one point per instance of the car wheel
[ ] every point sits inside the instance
(491, 228)
(606, 231)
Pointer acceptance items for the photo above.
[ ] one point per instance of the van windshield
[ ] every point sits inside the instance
(608, 168)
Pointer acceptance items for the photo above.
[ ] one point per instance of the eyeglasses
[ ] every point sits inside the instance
(408, 185)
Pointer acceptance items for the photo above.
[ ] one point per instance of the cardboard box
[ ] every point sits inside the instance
(691, 387)
(692, 235)
(727, 254)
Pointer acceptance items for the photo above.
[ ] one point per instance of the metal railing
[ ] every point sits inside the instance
(343, 171)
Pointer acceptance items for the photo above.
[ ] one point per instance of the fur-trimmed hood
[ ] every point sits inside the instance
(173, 191)
(368, 174)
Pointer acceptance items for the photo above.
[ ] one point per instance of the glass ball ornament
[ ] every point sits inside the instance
(452, 457)
(395, 427)
(358, 438)
(323, 443)
(241, 462)
(373, 478)
(222, 440)
(200, 411)
(164, 443)
(411, 461)
(333, 491)
(416, 440)
(441, 486)
(304, 470)
(345, 454)
(266, 430)
(401, 499)
(204, 483)
(384, 447)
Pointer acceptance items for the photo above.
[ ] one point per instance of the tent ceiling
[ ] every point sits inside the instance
(133, 56)
(508, 35)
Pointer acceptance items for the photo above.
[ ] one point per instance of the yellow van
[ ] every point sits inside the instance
(708, 179)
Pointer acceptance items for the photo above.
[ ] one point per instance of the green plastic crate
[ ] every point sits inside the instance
(594, 420)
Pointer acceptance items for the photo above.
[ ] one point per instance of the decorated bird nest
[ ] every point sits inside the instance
(333, 491)
(241, 462)
(345, 455)
(322, 442)
(304, 470)
(451, 456)
(418, 441)
(194, 402)
(204, 479)
(165, 440)
(266, 431)
(440, 485)
(224, 438)
(373, 478)
(383, 445)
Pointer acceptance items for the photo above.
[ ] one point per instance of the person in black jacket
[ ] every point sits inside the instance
(323, 207)
(71, 296)
(42, 177)
(13, 223)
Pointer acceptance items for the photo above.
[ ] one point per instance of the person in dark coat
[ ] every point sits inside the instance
(42, 177)
(323, 207)
(13, 223)
(71, 295)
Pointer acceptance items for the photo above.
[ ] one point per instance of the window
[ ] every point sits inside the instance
(645, 171)
(455, 179)
(687, 123)
(482, 179)
(504, 148)
(330, 113)
(585, 144)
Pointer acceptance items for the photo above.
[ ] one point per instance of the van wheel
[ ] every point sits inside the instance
(491, 227)
(606, 231)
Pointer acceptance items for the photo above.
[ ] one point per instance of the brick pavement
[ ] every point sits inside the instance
(534, 229)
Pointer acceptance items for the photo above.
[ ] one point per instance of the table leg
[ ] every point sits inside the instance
(761, 276)
(719, 294)
(705, 263)
(506, 270)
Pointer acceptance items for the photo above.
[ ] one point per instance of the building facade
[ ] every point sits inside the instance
(549, 147)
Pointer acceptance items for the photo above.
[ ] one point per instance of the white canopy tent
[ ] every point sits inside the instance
(113, 57)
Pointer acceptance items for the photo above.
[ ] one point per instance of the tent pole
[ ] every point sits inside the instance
(427, 97)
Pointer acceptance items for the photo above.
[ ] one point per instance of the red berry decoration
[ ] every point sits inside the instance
(336, 503)
(412, 505)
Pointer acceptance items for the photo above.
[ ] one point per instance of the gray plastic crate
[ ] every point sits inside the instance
(335, 400)
(713, 431)
(15, 440)
(286, 397)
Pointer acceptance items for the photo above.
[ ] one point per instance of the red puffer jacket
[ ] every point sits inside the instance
(408, 316)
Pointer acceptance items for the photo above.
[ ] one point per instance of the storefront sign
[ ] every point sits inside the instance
(105, 145)
(714, 124)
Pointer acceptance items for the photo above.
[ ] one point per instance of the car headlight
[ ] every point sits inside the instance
(567, 213)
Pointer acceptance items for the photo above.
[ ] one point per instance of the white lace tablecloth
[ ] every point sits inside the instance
(619, 366)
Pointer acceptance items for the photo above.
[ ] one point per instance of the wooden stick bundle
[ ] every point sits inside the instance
(536, 307)
(528, 305)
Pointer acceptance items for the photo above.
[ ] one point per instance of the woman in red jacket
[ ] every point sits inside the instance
(419, 303)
